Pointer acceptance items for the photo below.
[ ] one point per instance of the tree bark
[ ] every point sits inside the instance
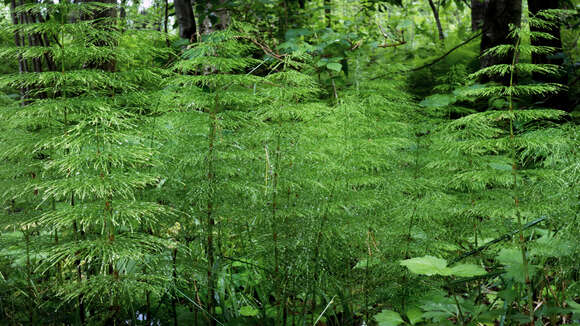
(437, 20)
(223, 15)
(536, 6)
(561, 99)
(100, 20)
(185, 19)
(499, 15)
(477, 14)
(22, 64)
(45, 41)
(215, 18)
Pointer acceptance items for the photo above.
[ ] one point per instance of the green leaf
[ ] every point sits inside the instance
(429, 265)
(575, 308)
(467, 270)
(514, 266)
(426, 265)
(500, 166)
(334, 66)
(574, 305)
(248, 311)
(415, 315)
(322, 62)
(389, 318)
(438, 100)
(364, 263)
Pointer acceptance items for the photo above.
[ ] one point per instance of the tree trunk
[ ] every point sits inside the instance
(215, 18)
(437, 20)
(499, 15)
(185, 19)
(223, 15)
(107, 65)
(559, 100)
(45, 41)
(22, 64)
(477, 14)
(535, 6)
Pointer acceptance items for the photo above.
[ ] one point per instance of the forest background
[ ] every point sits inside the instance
(289, 162)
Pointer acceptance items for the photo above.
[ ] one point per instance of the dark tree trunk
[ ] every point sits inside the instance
(223, 15)
(45, 41)
(437, 20)
(185, 19)
(499, 15)
(477, 14)
(123, 14)
(213, 18)
(561, 99)
(22, 64)
(102, 21)
(32, 40)
(535, 6)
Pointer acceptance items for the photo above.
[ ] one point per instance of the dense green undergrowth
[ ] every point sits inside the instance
(221, 185)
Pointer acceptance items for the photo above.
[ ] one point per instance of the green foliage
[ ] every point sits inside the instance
(498, 172)
(429, 265)
(83, 164)
(281, 171)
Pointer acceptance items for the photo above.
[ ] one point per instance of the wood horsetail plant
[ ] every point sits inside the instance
(283, 166)
(218, 97)
(83, 162)
(502, 163)
(252, 184)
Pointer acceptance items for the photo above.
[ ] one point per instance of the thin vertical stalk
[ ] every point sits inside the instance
(78, 267)
(26, 233)
(75, 226)
(274, 222)
(165, 22)
(274, 205)
(515, 189)
(210, 217)
(366, 281)
(148, 309)
(459, 310)
(316, 271)
(174, 275)
(412, 218)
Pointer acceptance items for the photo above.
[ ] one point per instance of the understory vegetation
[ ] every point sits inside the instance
(285, 162)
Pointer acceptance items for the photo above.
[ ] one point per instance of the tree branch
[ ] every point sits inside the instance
(447, 53)
(438, 59)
